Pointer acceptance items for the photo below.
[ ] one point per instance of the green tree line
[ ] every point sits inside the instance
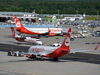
(51, 7)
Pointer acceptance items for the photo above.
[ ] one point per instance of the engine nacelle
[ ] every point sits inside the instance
(31, 56)
(51, 34)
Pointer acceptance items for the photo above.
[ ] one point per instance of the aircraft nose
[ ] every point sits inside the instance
(40, 43)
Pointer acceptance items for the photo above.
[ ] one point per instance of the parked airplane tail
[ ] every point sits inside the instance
(66, 43)
(84, 15)
(19, 26)
(13, 32)
(34, 11)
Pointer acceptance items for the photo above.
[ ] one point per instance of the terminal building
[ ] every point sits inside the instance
(4, 16)
(7, 18)
(32, 17)
(29, 19)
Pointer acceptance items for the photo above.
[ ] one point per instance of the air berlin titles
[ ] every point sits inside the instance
(38, 49)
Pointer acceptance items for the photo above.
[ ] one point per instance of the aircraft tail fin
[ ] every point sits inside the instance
(13, 32)
(84, 15)
(19, 26)
(34, 11)
(66, 43)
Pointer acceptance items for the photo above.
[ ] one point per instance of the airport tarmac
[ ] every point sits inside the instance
(72, 64)
(5, 37)
(67, 65)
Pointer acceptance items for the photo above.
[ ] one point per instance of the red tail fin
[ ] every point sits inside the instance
(66, 41)
(19, 25)
(13, 31)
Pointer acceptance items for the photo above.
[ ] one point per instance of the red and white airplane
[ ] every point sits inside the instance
(25, 39)
(39, 31)
(54, 52)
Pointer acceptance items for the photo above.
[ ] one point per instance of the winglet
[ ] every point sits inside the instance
(96, 47)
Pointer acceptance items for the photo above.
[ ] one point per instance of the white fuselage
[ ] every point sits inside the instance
(41, 50)
(38, 30)
(33, 40)
(73, 18)
(45, 30)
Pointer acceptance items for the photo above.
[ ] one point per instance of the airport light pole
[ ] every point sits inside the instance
(25, 10)
(77, 12)
(58, 13)
(10, 9)
(41, 11)
(97, 15)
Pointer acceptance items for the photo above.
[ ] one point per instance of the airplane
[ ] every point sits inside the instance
(38, 31)
(54, 52)
(25, 39)
(20, 28)
(34, 11)
(75, 18)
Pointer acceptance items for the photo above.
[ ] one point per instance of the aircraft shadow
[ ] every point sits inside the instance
(38, 59)
(89, 58)
(63, 59)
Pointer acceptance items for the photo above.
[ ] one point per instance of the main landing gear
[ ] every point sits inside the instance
(55, 59)
(42, 58)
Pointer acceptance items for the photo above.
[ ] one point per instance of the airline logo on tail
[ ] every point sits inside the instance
(18, 24)
(66, 42)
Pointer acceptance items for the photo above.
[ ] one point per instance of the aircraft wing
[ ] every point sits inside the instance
(82, 49)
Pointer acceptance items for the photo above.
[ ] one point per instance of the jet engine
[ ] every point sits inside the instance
(31, 56)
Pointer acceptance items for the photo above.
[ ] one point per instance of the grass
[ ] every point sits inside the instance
(92, 18)
(87, 18)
